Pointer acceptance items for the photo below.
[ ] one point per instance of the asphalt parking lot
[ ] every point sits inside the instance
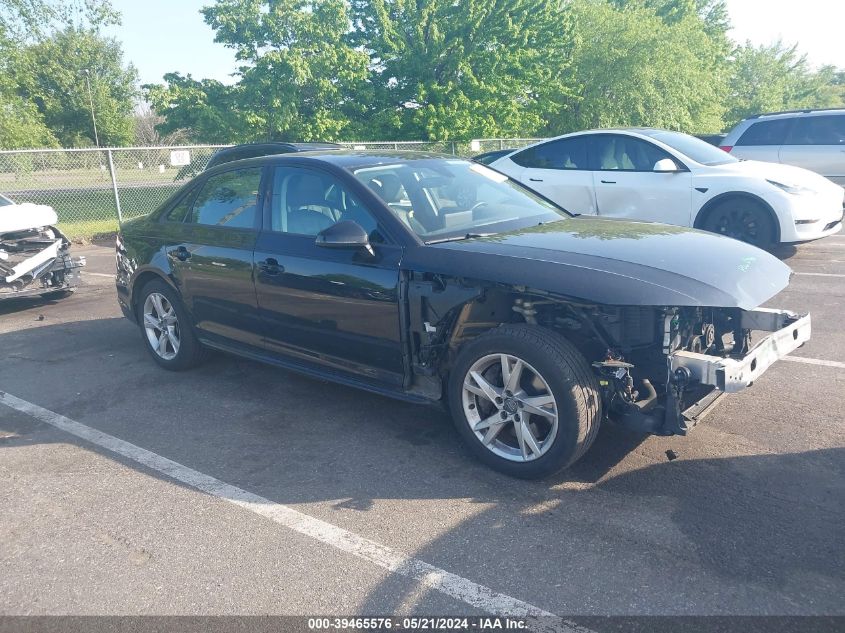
(295, 496)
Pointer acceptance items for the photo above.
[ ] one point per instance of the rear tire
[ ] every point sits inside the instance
(525, 400)
(742, 219)
(166, 329)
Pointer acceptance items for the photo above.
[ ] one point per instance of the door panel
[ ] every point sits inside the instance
(627, 187)
(817, 143)
(216, 258)
(559, 170)
(336, 308)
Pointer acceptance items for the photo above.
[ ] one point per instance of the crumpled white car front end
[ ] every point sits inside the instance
(34, 255)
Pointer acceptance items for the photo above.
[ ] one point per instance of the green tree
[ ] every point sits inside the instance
(56, 76)
(457, 69)
(205, 111)
(777, 77)
(633, 67)
(299, 72)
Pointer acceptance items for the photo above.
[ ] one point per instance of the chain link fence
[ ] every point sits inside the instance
(93, 190)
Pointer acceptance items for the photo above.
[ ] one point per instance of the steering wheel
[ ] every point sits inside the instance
(478, 205)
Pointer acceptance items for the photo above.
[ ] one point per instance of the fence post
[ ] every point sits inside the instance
(114, 189)
(454, 152)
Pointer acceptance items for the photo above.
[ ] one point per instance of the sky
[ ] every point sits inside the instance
(161, 36)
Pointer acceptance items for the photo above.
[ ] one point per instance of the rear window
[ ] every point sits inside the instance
(819, 130)
(766, 133)
(566, 153)
(228, 199)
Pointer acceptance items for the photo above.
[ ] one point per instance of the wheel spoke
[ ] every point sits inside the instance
(519, 431)
(528, 439)
(511, 382)
(151, 321)
(488, 422)
(162, 343)
(484, 388)
(536, 404)
(493, 431)
(156, 299)
(174, 340)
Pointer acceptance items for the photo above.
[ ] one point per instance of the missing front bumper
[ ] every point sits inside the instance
(787, 332)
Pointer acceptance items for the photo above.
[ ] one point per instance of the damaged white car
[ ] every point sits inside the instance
(34, 254)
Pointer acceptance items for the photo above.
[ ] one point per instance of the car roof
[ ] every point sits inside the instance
(345, 158)
(797, 113)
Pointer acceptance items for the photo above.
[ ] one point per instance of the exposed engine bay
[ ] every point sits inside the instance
(660, 369)
(34, 255)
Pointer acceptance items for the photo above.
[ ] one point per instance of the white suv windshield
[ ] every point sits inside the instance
(698, 150)
(438, 198)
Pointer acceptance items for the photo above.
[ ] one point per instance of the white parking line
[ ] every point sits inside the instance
(393, 561)
(820, 274)
(815, 361)
(90, 274)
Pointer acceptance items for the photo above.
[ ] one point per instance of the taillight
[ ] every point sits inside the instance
(726, 148)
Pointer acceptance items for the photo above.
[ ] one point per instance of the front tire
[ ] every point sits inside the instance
(742, 219)
(525, 400)
(166, 328)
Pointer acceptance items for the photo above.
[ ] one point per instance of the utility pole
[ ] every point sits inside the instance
(91, 103)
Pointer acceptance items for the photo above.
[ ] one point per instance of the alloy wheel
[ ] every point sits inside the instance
(510, 407)
(161, 326)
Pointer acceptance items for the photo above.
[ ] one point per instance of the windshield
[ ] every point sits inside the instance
(440, 198)
(698, 150)
(4, 201)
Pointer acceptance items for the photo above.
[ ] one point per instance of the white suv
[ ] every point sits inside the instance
(674, 178)
(812, 139)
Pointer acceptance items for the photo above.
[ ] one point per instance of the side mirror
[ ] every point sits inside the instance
(345, 234)
(666, 165)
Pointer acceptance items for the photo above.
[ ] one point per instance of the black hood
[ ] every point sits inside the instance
(615, 263)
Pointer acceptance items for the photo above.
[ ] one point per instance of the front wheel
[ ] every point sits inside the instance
(525, 400)
(743, 220)
(166, 328)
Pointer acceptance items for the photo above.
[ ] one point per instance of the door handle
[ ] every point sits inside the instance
(536, 179)
(181, 253)
(608, 182)
(271, 266)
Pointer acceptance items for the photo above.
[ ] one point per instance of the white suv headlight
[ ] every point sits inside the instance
(795, 190)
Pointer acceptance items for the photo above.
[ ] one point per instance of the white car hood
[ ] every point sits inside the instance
(19, 217)
(784, 174)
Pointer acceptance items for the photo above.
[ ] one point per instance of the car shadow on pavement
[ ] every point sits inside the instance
(706, 535)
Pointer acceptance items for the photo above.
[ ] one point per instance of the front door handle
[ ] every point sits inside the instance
(181, 253)
(536, 179)
(271, 266)
(608, 182)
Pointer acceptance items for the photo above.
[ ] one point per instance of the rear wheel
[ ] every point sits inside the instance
(166, 328)
(743, 220)
(524, 400)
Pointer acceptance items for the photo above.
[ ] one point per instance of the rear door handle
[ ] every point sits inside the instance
(608, 182)
(271, 266)
(181, 253)
(536, 179)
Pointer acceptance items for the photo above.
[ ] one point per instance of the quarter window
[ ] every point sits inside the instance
(566, 153)
(819, 130)
(766, 133)
(228, 199)
(625, 153)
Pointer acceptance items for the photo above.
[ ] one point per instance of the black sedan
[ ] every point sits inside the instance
(435, 279)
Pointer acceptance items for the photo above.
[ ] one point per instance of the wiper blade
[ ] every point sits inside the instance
(458, 238)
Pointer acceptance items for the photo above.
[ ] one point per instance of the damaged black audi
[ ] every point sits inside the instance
(436, 279)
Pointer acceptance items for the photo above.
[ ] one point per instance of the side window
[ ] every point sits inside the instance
(766, 133)
(819, 130)
(228, 199)
(625, 153)
(307, 201)
(180, 210)
(567, 153)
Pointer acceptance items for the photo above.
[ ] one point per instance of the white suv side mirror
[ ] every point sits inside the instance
(665, 165)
